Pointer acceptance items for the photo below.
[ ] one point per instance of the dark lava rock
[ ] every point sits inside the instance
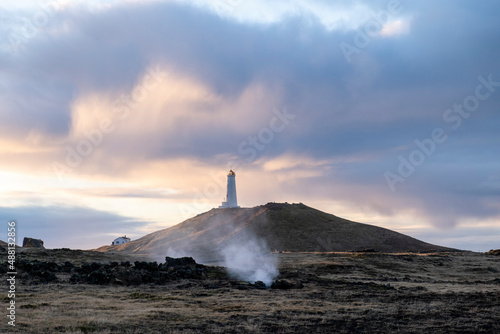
(112, 273)
(178, 262)
(37, 271)
(260, 285)
(494, 252)
(148, 266)
(67, 267)
(140, 273)
(31, 242)
(128, 277)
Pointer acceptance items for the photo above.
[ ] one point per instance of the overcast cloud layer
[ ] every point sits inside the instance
(380, 112)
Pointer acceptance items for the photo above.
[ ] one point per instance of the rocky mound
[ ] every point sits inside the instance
(32, 242)
(123, 273)
(284, 227)
(34, 272)
(140, 273)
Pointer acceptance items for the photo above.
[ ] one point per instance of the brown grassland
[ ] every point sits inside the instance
(342, 293)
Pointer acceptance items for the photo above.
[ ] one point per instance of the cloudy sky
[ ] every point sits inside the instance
(123, 117)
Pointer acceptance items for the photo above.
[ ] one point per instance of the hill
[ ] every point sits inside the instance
(283, 227)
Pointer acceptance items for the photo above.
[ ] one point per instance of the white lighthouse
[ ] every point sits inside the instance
(231, 201)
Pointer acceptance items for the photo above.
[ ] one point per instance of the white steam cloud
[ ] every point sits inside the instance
(250, 261)
(221, 239)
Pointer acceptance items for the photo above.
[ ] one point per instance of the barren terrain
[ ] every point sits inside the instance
(342, 293)
(282, 226)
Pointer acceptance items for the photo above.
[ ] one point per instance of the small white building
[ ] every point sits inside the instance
(120, 241)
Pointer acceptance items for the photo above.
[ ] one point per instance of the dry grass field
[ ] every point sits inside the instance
(342, 293)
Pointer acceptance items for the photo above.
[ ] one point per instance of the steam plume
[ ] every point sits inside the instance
(250, 260)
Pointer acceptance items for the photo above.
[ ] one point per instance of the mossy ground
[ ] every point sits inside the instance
(343, 293)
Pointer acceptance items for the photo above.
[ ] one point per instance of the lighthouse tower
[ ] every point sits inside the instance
(231, 201)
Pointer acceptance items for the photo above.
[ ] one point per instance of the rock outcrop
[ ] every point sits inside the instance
(494, 252)
(120, 273)
(125, 273)
(34, 243)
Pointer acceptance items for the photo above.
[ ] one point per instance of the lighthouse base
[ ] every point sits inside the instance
(225, 205)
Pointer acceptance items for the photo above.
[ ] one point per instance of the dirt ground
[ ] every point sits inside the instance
(342, 293)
